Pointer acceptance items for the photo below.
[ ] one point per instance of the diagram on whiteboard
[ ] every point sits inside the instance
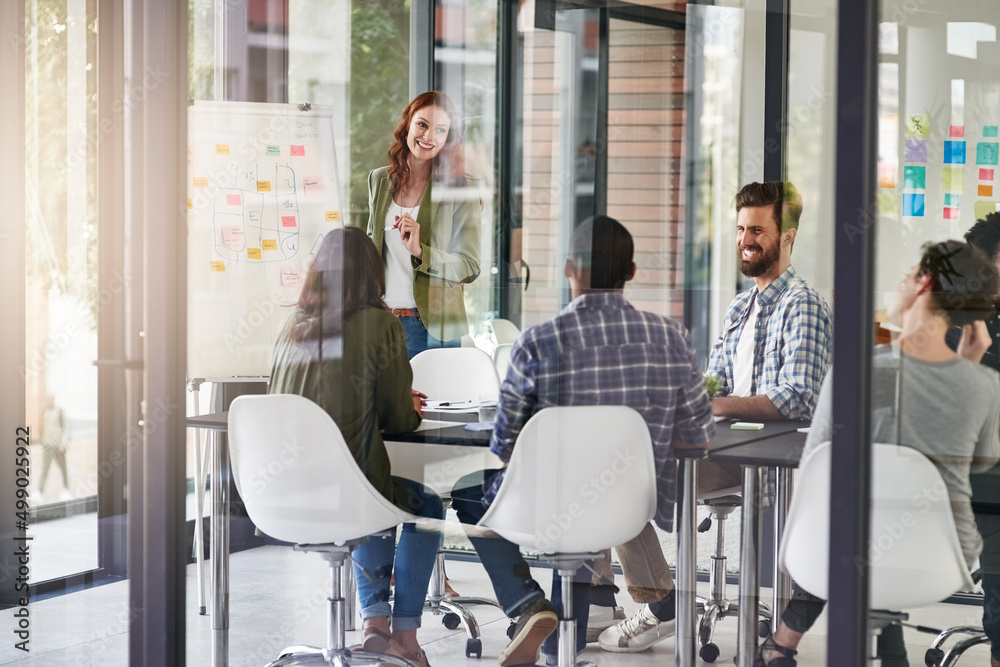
(263, 190)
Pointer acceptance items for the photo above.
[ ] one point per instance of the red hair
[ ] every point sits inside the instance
(449, 163)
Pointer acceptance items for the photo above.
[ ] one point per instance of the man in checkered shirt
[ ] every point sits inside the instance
(598, 351)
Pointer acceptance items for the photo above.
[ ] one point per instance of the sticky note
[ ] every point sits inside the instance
(747, 426)
(953, 178)
(233, 236)
(253, 253)
(913, 204)
(989, 130)
(918, 125)
(984, 208)
(222, 149)
(298, 150)
(915, 177)
(189, 204)
(200, 181)
(950, 199)
(886, 182)
(985, 191)
(312, 185)
(291, 276)
(333, 216)
(887, 203)
(218, 265)
(916, 151)
(288, 221)
(954, 152)
(263, 186)
(950, 213)
(233, 200)
(956, 131)
(986, 152)
(269, 244)
(273, 151)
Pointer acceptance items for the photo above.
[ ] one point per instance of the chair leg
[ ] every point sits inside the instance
(567, 624)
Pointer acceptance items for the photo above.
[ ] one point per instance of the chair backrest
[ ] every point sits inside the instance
(501, 359)
(580, 479)
(505, 332)
(296, 475)
(914, 554)
(455, 374)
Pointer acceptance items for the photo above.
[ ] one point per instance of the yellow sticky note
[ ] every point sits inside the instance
(984, 208)
(253, 253)
(222, 149)
(218, 265)
(918, 125)
(269, 244)
(953, 178)
(263, 186)
(201, 181)
(888, 203)
(333, 216)
(189, 204)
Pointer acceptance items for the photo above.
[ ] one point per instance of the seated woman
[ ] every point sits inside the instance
(343, 349)
(949, 409)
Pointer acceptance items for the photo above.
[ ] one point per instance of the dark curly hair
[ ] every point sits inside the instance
(985, 234)
(449, 165)
(964, 280)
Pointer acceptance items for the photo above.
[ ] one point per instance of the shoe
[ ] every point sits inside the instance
(602, 618)
(537, 622)
(637, 633)
(418, 658)
(786, 659)
(375, 640)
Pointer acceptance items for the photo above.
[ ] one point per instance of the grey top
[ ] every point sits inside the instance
(950, 413)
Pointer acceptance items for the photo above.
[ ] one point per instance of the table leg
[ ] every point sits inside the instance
(199, 510)
(749, 590)
(687, 617)
(782, 582)
(220, 551)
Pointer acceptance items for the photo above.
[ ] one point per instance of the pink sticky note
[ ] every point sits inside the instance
(298, 150)
(233, 200)
(288, 221)
(950, 213)
(953, 131)
(986, 174)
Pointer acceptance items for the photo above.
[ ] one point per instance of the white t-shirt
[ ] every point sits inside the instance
(743, 363)
(398, 262)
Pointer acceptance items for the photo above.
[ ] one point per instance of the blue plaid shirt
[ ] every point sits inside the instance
(792, 344)
(602, 351)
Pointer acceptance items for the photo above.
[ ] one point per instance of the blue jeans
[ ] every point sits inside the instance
(418, 339)
(509, 572)
(414, 562)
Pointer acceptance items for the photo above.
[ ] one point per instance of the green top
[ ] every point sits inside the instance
(363, 382)
(449, 237)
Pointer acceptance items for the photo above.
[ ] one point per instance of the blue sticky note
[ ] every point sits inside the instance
(954, 152)
(915, 177)
(913, 204)
(950, 199)
(987, 153)
(989, 130)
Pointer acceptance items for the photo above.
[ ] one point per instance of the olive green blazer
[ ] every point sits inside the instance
(449, 236)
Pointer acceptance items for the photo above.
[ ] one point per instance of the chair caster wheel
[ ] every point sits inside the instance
(473, 647)
(763, 628)
(709, 653)
(933, 657)
(451, 621)
(511, 630)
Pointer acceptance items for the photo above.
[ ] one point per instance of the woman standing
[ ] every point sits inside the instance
(424, 217)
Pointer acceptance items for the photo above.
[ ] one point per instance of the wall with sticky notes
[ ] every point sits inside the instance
(263, 189)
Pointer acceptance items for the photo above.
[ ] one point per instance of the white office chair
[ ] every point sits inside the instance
(505, 332)
(542, 504)
(455, 374)
(501, 359)
(320, 500)
(914, 557)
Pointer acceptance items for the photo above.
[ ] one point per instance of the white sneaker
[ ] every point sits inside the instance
(637, 633)
(602, 618)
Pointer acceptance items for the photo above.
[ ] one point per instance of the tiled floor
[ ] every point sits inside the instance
(278, 599)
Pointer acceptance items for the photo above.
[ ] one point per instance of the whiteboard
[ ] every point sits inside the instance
(263, 189)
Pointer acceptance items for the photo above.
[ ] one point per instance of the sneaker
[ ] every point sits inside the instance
(537, 622)
(602, 618)
(637, 633)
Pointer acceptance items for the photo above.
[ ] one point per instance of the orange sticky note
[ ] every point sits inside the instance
(253, 253)
(201, 181)
(269, 244)
(887, 182)
(189, 204)
(218, 265)
(985, 190)
(333, 216)
(222, 149)
(263, 186)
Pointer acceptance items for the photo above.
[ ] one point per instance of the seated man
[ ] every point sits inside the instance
(598, 351)
(769, 360)
(950, 410)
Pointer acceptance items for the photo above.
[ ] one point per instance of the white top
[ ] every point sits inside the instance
(398, 262)
(743, 363)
